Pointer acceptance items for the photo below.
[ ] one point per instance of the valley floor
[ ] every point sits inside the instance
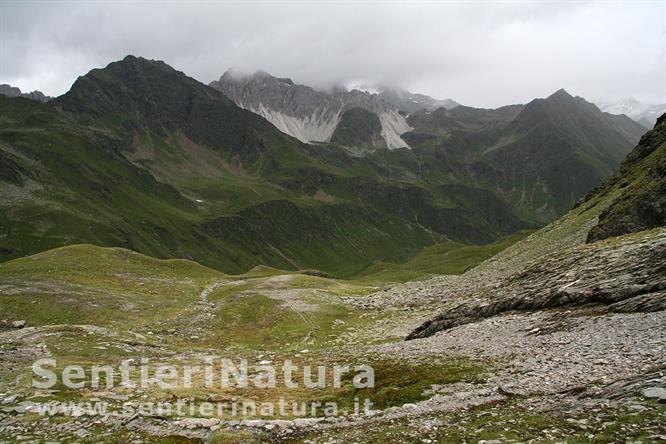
(577, 371)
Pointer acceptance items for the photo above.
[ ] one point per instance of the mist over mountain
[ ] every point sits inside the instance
(642, 113)
(305, 113)
(410, 102)
(416, 199)
(197, 166)
(562, 145)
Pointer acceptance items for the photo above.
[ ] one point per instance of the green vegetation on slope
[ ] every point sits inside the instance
(641, 185)
(541, 158)
(85, 284)
(359, 129)
(442, 258)
(140, 156)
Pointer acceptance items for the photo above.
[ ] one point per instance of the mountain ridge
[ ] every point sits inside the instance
(542, 156)
(643, 113)
(303, 112)
(141, 156)
(12, 91)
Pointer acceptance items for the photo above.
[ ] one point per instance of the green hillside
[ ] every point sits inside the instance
(140, 156)
(540, 158)
(637, 192)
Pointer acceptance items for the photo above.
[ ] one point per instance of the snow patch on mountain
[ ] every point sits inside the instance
(643, 113)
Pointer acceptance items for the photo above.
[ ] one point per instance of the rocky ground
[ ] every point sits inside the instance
(589, 369)
(623, 273)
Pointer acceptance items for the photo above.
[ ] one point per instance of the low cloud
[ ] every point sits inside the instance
(481, 54)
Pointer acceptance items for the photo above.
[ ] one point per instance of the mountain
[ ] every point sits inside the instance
(541, 157)
(642, 113)
(304, 113)
(442, 120)
(12, 91)
(141, 156)
(146, 100)
(410, 102)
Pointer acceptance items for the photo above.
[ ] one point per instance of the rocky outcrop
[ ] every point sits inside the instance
(641, 182)
(12, 91)
(305, 113)
(643, 303)
(630, 269)
(412, 102)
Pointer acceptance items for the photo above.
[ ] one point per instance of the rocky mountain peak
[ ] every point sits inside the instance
(560, 94)
(413, 102)
(139, 85)
(12, 91)
(641, 204)
(305, 113)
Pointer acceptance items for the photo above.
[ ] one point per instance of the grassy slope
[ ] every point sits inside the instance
(88, 304)
(541, 158)
(86, 284)
(81, 189)
(153, 307)
(641, 184)
(146, 158)
(441, 258)
(146, 185)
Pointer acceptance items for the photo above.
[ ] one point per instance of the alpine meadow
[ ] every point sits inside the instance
(234, 222)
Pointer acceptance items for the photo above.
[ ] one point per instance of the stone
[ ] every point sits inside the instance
(306, 422)
(655, 392)
(191, 423)
(10, 399)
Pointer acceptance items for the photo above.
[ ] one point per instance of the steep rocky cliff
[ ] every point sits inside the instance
(305, 113)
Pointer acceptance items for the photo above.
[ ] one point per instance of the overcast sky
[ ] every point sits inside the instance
(478, 53)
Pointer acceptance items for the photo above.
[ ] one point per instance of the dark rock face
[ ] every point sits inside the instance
(642, 303)
(150, 95)
(628, 273)
(642, 179)
(359, 128)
